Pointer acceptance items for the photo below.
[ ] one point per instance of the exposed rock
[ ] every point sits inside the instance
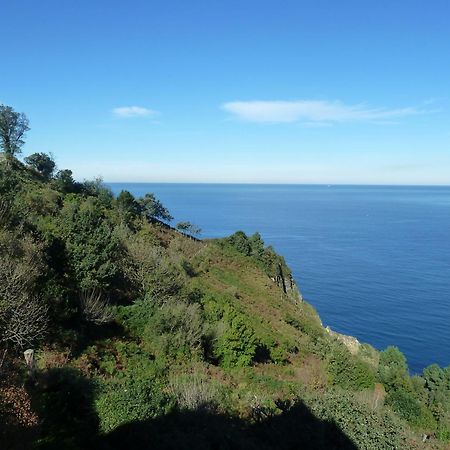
(349, 341)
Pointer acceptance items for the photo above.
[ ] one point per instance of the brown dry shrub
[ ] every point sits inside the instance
(16, 406)
(312, 373)
(51, 359)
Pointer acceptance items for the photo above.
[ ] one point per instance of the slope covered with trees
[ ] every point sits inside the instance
(144, 337)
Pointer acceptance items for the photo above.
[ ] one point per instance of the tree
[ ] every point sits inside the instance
(240, 242)
(127, 206)
(13, 126)
(23, 315)
(152, 208)
(64, 181)
(91, 243)
(393, 370)
(257, 245)
(41, 162)
(189, 228)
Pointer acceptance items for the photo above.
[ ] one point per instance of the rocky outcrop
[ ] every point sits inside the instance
(349, 341)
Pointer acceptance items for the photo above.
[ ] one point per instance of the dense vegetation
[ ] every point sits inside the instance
(147, 337)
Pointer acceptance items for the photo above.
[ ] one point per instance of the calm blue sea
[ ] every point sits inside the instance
(374, 261)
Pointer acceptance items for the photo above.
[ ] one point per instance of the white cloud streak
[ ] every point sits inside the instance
(312, 111)
(134, 111)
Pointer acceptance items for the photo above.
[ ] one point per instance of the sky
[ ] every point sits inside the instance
(236, 91)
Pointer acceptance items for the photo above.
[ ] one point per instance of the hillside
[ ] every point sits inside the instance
(146, 337)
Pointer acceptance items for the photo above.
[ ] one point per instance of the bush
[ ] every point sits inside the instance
(410, 409)
(349, 373)
(130, 401)
(393, 370)
(240, 242)
(175, 329)
(193, 392)
(91, 242)
(368, 429)
(151, 271)
(236, 346)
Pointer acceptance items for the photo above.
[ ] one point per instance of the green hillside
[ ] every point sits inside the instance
(146, 337)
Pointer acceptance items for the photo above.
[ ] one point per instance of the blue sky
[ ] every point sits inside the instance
(233, 91)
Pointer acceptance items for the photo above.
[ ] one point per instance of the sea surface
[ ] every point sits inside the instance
(374, 261)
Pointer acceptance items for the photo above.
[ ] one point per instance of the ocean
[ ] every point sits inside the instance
(373, 260)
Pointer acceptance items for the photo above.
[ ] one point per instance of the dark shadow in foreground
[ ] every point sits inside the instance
(297, 428)
(64, 401)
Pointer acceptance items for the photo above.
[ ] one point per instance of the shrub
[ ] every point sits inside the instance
(151, 271)
(23, 314)
(129, 401)
(135, 317)
(410, 409)
(236, 346)
(193, 392)
(348, 372)
(94, 307)
(240, 242)
(175, 329)
(393, 370)
(91, 243)
(368, 429)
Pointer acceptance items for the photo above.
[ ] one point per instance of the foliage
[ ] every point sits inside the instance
(131, 400)
(272, 263)
(23, 315)
(236, 344)
(13, 126)
(189, 228)
(349, 372)
(369, 430)
(393, 370)
(152, 208)
(410, 409)
(127, 207)
(95, 307)
(175, 329)
(151, 270)
(240, 242)
(193, 392)
(42, 163)
(91, 243)
(64, 182)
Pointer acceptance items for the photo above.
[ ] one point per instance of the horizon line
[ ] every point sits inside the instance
(277, 184)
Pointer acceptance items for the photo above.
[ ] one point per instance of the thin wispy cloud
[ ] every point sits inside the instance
(313, 111)
(134, 111)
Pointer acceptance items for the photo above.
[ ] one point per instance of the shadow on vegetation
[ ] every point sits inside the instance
(93, 333)
(296, 428)
(65, 404)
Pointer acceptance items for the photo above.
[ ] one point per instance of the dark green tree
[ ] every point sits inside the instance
(189, 228)
(41, 162)
(152, 208)
(127, 206)
(13, 126)
(91, 244)
(240, 242)
(393, 370)
(257, 245)
(64, 181)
